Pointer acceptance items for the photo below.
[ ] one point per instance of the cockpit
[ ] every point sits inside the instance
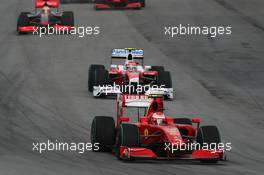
(131, 67)
(158, 118)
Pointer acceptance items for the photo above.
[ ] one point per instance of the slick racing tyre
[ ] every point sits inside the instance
(101, 77)
(157, 68)
(164, 79)
(100, 80)
(183, 121)
(68, 19)
(127, 135)
(23, 20)
(103, 132)
(92, 75)
(75, 1)
(208, 135)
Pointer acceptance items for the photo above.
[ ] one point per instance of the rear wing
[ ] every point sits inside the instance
(123, 53)
(140, 101)
(50, 3)
(133, 100)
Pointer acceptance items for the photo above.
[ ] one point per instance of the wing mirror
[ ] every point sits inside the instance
(143, 119)
(196, 120)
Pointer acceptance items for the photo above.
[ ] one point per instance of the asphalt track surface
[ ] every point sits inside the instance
(43, 84)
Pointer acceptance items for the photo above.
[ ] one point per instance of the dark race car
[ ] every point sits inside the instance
(119, 4)
(45, 16)
(132, 77)
(153, 135)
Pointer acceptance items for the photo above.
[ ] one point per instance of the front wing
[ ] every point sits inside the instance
(32, 28)
(109, 91)
(127, 153)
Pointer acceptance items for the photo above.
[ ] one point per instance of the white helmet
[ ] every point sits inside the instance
(158, 117)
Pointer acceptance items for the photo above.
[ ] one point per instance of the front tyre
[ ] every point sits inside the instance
(23, 21)
(164, 79)
(209, 135)
(103, 132)
(128, 136)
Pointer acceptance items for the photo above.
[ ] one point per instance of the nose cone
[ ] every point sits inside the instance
(134, 80)
(133, 77)
(44, 20)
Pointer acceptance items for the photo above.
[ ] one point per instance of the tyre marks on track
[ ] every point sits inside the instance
(248, 19)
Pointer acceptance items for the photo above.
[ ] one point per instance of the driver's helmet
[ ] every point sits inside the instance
(158, 118)
(131, 66)
(45, 9)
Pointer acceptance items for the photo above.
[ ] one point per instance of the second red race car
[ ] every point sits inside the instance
(148, 133)
(119, 4)
(46, 15)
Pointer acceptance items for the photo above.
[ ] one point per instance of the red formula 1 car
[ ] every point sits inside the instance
(153, 135)
(132, 77)
(123, 4)
(44, 16)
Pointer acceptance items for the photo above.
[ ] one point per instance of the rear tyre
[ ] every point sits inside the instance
(209, 135)
(164, 79)
(23, 21)
(91, 75)
(68, 19)
(127, 135)
(101, 77)
(101, 80)
(157, 68)
(103, 132)
(184, 121)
